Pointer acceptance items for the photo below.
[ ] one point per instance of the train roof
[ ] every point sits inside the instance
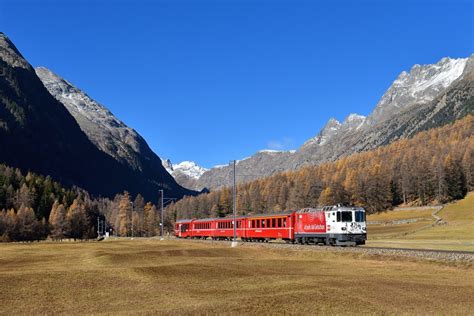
(270, 214)
(183, 220)
(232, 218)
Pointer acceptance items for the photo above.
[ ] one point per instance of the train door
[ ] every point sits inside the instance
(179, 230)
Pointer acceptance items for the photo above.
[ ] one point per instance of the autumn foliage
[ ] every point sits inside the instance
(434, 166)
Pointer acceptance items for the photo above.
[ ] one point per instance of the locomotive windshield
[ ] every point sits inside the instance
(344, 216)
(359, 216)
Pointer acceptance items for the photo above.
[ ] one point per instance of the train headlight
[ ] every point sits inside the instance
(343, 228)
(363, 228)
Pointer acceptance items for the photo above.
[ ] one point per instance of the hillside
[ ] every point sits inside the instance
(433, 166)
(42, 136)
(417, 228)
(426, 96)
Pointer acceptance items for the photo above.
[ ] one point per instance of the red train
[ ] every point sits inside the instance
(330, 225)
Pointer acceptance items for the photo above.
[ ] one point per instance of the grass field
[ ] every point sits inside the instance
(457, 233)
(182, 277)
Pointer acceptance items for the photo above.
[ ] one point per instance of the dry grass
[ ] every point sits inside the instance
(394, 215)
(148, 276)
(456, 234)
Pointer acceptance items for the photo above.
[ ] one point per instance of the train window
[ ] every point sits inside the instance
(359, 216)
(273, 222)
(279, 222)
(284, 222)
(263, 223)
(258, 223)
(269, 223)
(338, 216)
(346, 216)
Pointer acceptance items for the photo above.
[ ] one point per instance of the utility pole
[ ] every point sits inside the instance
(162, 217)
(234, 206)
(98, 226)
(133, 206)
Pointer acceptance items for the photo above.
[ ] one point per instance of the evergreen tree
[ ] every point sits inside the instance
(58, 222)
(125, 215)
(151, 222)
(456, 185)
(26, 224)
(76, 220)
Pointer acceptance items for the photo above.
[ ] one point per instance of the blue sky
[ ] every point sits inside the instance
(212, 81)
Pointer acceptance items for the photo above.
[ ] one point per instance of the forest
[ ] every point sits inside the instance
(434, 166)
(34, 207)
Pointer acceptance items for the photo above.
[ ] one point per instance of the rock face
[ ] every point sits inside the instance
(107, 132)
(38, 133)
(428, 96)
(421, 85)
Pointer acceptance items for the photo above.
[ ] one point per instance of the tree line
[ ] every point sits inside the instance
(34, 207)
(434, 166)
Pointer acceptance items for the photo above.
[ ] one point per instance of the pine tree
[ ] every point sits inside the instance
(327, 197)
(77, 220)
(124, 215)
(24, 197)
(456, 186)
(10, 232)
(26, 224)
(3, 215)
(58, 222)
(468, 167)
(150, 220)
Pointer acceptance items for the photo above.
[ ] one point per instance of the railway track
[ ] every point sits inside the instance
(445, 255)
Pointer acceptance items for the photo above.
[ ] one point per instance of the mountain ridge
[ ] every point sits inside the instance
(407, 106)
(42, 136)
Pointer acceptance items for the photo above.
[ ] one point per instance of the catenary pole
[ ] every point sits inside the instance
(133, 206)
(162, 217)
(234, 207)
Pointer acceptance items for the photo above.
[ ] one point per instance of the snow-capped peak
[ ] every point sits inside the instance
(422, 84)
(188, 168)
(354, 117)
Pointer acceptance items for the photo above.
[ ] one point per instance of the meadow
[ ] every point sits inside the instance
(188, 277)
(416, 228)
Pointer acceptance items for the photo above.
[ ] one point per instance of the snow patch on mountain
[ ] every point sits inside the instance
(188, 168)
(421, 85)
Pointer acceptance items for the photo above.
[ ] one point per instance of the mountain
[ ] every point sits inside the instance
(425, 97)
(38, 133)
(186, 173)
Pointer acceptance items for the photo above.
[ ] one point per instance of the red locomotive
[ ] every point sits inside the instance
(330, 225)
